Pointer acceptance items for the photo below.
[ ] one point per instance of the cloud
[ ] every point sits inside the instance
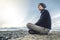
(13, 13)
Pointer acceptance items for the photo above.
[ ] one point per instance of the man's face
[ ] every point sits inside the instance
(40, 7)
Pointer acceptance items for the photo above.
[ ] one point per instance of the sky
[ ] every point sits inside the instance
(13, 13)
(53, 6)
(17, 13)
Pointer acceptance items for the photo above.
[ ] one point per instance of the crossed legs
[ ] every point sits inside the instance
(37, 29)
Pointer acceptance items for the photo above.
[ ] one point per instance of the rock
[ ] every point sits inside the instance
(24, 35)
(50, 36)
(12, 34)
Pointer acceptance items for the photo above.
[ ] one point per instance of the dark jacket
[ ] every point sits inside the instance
(45, 19)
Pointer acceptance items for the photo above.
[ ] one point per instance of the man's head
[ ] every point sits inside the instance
(41, 6)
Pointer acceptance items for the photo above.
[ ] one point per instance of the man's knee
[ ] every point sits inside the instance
(28, 24)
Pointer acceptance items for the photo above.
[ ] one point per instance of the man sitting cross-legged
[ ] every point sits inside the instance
(43, 26)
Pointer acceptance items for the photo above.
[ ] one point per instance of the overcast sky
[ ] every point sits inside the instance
(17, 13)
(13, 12)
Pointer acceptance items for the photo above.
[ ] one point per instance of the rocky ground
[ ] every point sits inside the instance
(51, 36)
(24, 35)
(10, 35)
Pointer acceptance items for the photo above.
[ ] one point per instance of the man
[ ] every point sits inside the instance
(43, 26)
